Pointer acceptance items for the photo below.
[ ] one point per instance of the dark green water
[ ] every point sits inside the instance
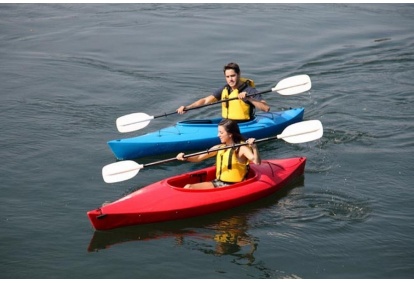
(69, 70)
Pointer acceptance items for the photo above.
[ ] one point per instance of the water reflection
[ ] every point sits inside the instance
(227, 236)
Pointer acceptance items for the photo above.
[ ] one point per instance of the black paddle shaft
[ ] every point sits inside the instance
(207, 151)
(214, 103)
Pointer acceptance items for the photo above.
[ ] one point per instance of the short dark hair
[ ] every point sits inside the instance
(232, 66)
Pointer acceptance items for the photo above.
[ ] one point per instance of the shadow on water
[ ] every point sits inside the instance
(221, 233)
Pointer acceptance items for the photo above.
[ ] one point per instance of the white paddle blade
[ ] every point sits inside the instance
(120, 171)
(293, 85)
(133, 122)
(302, 132)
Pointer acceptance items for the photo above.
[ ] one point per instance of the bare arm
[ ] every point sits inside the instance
(252, 152)
(203, 101)
(259, 104)
(198, 158)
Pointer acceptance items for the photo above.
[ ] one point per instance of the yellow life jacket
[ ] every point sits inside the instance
(228, 167)
(236, 109)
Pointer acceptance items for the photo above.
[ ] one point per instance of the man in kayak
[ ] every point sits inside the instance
(241, 109)
(232, 164)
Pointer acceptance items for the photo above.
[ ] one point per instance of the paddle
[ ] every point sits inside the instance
(296, 133)
(288, 86)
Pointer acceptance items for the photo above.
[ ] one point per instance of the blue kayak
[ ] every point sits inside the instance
(190, 135)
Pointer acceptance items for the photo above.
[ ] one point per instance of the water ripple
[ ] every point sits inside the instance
(326, 210)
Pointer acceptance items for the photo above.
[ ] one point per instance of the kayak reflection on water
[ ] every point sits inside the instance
(227, 236)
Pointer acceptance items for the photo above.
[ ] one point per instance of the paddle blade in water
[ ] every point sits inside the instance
(133, 122)
(120, 171)
(293, 85)
(302, 132)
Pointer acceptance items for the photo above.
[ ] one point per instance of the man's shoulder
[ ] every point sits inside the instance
(217, 92)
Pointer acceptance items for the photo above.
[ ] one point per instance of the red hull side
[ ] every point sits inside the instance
(166, 200)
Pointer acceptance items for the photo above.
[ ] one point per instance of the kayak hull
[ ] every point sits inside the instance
(192, 135)
(167, 200)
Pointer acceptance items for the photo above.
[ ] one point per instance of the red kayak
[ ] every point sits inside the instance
(166, 200)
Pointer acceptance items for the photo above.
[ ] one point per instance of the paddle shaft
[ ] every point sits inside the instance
(298, 131)
(213, 103)
(234, 98)
(208, 151)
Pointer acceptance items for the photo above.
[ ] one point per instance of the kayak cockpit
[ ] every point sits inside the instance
(197, 122)
(206, 175)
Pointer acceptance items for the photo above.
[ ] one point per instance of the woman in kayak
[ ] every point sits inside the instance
(243, 90)
(232, 164)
